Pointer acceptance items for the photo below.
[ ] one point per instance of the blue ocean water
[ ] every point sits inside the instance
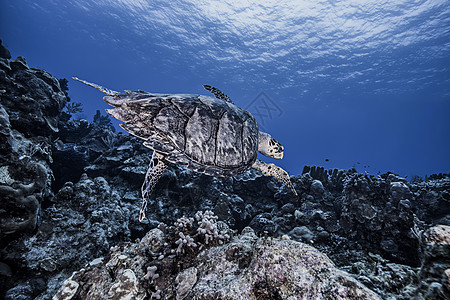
(341, 84)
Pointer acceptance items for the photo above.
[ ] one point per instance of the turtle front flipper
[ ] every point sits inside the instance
(275, 171)
(157, 166)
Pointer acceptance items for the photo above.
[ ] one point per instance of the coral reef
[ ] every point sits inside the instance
(247, 267)
(31, 101)
(378, 212)
(434, 273)
(4, 52)
(70, 195)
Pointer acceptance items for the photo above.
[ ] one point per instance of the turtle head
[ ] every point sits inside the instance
(269, 146)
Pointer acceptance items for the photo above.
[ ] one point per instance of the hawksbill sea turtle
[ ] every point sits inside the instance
(205, 134)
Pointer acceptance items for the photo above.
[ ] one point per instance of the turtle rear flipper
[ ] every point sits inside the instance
(217, 93)
(156, 168)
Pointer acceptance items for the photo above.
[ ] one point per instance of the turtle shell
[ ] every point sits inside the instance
(203, 133)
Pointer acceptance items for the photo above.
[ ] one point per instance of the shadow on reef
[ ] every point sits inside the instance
(70, 193)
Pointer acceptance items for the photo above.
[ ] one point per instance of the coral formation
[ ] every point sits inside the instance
(246, 268)
(4, 52)
(31, 102)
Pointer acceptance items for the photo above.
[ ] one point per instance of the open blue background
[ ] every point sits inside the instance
(364, 84)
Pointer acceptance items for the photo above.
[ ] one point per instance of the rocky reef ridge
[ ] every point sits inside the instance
(247, 267)
(70, 195)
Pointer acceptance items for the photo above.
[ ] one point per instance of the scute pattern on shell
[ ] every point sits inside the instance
(202, 133)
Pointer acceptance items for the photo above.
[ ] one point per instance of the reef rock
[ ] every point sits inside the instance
(31, 101)
(435, 270)
(433, 199)
(246, 268)
(4, 52)
(378, 214)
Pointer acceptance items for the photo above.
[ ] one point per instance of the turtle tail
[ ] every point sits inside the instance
(99, 87)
